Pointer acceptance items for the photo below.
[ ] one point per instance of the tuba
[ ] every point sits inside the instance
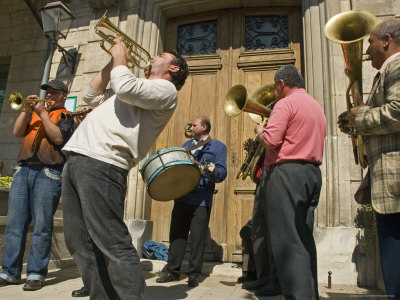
(139, 56)
(349, 29)
(258, 106)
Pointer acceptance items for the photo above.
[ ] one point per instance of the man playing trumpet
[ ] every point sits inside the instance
(36, 187)
(111, 140)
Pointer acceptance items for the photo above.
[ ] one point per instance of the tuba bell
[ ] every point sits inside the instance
(139, 56)
(236, 101)
(349, 29)
(259, 106)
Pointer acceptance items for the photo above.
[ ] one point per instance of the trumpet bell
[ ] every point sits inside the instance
(236, 101)
(16, 101)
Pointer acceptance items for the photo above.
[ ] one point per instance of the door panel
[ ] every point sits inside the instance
(211, 76)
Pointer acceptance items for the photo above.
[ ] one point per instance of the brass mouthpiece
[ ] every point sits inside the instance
(367, 58)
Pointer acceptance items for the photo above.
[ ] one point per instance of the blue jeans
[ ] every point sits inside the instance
(93, 194)
(34, 194)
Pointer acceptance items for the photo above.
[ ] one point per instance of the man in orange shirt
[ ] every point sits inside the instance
(36, 187)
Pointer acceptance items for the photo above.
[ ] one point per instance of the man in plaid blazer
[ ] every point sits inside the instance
(378, 121)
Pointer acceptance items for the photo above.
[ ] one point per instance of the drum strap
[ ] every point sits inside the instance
(198, 145)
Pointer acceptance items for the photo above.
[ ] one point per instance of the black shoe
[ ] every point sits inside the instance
(148, 255)
(247, 276)
(193, 280)
(4, 282)
(32, 285)
(83, 292)
(255, 285)
(271, 289)
(167, 278)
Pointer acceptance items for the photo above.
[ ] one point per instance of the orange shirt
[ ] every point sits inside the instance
(36, 147)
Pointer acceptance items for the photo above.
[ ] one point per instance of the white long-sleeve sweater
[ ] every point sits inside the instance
(121, 130)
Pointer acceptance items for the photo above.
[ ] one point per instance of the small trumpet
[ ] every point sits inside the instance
(139, 56)
(17, 101)
(188, 132)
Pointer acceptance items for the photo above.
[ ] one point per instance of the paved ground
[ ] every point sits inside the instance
(220, 284)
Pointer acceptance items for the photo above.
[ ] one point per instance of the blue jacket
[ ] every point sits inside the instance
(213, 152)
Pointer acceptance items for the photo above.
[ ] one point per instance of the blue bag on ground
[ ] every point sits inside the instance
(155, 250)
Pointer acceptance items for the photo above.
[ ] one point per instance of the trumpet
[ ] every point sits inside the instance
(17, 101)
(188, 132)
(139, 56)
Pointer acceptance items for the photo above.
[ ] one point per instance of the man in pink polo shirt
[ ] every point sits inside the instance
(290, 187)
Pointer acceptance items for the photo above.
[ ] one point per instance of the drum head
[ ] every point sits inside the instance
(174, 182)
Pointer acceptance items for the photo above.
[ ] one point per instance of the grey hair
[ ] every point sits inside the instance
(391, 26)
(290, 75)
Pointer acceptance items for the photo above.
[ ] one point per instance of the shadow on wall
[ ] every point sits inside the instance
(67, 68)
(365, 255)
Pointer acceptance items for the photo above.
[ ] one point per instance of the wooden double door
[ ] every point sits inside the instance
(234, 61)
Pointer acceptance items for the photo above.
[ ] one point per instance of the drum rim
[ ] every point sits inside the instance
(170, 164)
(151, 158)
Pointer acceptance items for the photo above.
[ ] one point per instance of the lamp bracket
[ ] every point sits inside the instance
(69, 56)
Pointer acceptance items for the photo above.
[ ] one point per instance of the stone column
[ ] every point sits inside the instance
(143, 24)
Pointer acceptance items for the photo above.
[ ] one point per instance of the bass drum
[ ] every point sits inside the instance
(170, 174)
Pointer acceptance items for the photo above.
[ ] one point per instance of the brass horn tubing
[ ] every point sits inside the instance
(256, 108)
(356, 140)
(353, 60)
(250, 163)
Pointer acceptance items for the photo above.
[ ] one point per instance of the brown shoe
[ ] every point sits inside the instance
(32, 285)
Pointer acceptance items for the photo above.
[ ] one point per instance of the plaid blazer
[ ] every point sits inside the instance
(379, 124)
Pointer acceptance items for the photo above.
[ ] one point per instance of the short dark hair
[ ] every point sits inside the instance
(391, 26)
(206, 121)
(290, 76)
(178, 78)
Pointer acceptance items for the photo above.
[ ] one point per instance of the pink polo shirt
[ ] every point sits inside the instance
(295, 130)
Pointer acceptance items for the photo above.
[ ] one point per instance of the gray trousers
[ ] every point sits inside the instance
(93, 196)
(288, 196)
(263, 258)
